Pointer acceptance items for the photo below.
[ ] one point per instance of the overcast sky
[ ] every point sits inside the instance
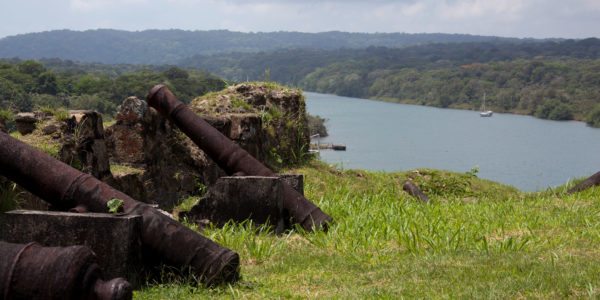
(510, 18)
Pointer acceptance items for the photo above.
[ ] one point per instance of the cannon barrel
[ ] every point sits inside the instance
(586, 184)
(232, 158)
(34, 272)
(412, 189)
(162, 237)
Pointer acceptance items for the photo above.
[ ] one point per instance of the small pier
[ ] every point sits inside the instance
(318, 146)
(335, 147)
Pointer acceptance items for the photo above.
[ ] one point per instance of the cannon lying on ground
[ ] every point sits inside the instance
(412, 189)
(586, 184)
(34, 272)
(162, 237)
(232, 158)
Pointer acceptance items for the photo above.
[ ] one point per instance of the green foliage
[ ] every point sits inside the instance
(9, 196)
(29, 84)
(6, 115)
(316, 125)
(554, 110)
(114, 205)
(241, 104)
(473, 172)
(171, 46)
(517, 77)
(593, 118)
(433, 182)
(93, 102)
(45, 101)
(61, 114)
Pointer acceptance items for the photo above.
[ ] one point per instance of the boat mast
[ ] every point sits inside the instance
(483, 109)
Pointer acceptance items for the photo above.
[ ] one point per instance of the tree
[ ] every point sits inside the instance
(593, 118)
(47, 83)
(31, 67)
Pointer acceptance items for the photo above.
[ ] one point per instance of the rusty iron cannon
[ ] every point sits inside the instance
(591, 181)
(163, 238)
(34, 272)
(232, 158)
(412, 189)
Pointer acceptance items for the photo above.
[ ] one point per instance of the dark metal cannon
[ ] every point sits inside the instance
(232, 158)
(162, 237)
(591, 181)
(413, 190)
(34, 272)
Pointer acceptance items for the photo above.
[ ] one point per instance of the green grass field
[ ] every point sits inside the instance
(476, 239)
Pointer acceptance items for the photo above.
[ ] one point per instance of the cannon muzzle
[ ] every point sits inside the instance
(232, 158)
(34, 272)
(162, 237)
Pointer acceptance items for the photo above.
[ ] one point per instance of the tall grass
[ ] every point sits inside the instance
(486, 241)
(9, 196)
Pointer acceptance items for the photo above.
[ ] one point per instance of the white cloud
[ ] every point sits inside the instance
(532, 18)
(466, 9)
(93, 5)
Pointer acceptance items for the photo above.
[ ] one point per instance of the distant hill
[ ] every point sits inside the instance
(290, 66)
(170, 46)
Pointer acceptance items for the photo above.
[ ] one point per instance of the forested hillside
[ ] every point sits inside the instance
(169, 46)
(553, 80)
(27, 85)
(291, 65)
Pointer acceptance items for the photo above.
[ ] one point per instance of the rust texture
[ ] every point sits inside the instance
(162, 237)
(591, 181)
(232, 158)
(413, 190)
(34, 272)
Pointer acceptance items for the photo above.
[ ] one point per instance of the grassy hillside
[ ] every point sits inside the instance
(477, 239)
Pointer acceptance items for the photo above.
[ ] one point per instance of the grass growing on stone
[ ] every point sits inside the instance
(118, 169)
(45, 143)
(483, 240)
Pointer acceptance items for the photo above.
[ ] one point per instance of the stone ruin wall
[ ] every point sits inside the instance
(145, 156)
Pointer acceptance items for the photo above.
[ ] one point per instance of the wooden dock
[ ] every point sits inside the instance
(335, 147)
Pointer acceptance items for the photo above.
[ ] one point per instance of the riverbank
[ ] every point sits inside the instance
(464, 106)
(476, 239)
(528, 153)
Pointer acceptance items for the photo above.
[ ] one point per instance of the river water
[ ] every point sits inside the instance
(528, 153)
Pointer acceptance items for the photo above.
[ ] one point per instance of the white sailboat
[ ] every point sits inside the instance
(485, 113)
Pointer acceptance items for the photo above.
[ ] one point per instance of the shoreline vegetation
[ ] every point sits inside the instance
(556, 79)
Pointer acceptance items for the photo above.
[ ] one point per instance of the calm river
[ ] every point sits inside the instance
(528, 153)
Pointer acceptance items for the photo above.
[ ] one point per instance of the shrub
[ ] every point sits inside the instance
(554, 110)
(316, 125)
(593, 118)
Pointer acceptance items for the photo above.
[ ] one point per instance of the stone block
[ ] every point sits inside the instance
(84, 144)
(246, 132)
(116, 240)
(295, 180)
(25, 122)
(241, 198)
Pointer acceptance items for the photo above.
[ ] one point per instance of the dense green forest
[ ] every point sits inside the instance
(28, 85)
(552, 80)
(170, 46)
(292, 65)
